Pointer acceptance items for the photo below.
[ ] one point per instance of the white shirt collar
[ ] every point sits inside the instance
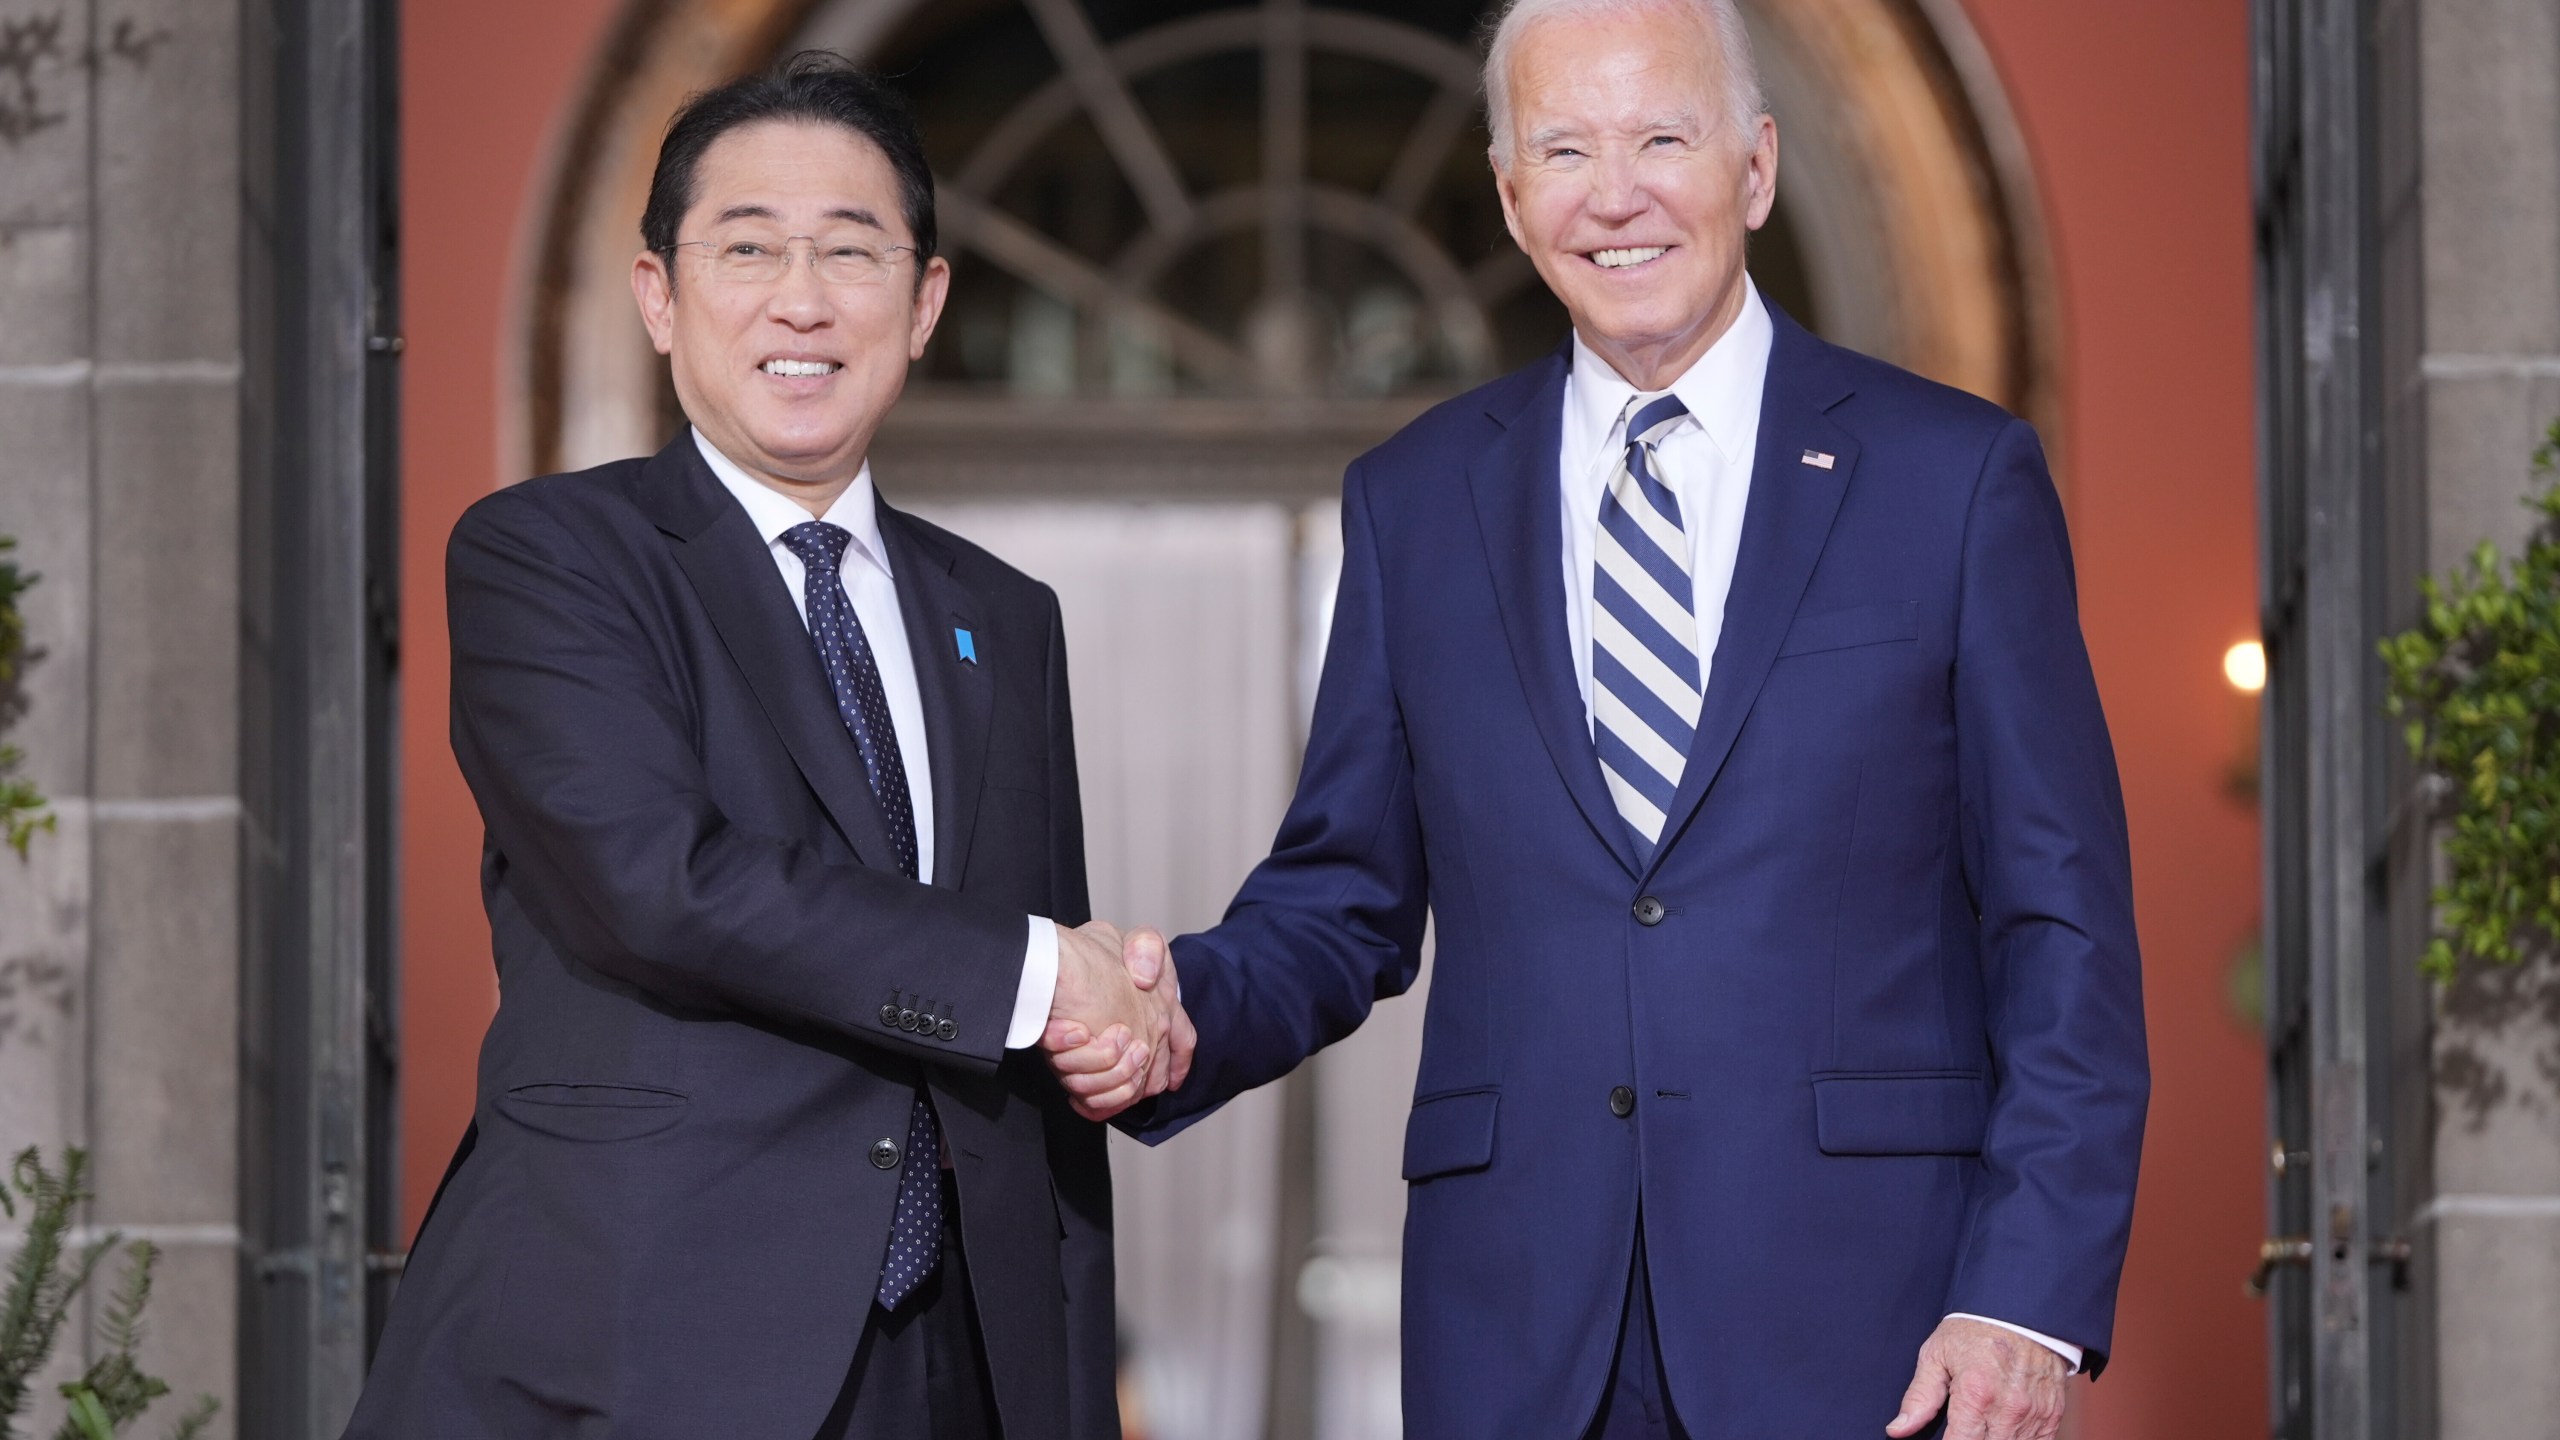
(773, 512)
(1722, 388)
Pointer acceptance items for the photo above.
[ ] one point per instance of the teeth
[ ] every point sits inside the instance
(1621, 259)
(801, 367)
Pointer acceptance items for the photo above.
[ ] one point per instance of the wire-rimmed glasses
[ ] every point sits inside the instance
(762, 260)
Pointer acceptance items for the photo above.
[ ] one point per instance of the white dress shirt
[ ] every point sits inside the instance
(868, 583)
(1706, 461)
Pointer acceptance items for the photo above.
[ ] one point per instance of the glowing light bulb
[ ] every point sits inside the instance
(2245, 666)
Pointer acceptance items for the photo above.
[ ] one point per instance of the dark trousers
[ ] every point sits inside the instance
(920, 1372)
(1637, 1403)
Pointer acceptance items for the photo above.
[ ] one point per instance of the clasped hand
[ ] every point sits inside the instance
(1117, 1032)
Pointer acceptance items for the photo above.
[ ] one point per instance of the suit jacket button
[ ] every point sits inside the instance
(884, 1155)
(1649, 911)
(889, 1016)
(948, 1030)
(1622, 1102)
(907, 1020)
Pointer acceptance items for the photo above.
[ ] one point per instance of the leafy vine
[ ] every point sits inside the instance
(23, 809)
(2478, 682)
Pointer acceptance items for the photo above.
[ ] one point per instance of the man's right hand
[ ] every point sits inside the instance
(1117, 1034)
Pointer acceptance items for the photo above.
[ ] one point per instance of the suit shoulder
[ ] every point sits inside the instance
(979, 568)
(1889, 398)
(1461, 425)
(568, 497)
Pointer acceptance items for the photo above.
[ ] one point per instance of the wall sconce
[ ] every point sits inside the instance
(2245, 666)
(2244, 977)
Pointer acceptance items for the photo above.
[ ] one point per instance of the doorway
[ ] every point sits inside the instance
(1205, 254)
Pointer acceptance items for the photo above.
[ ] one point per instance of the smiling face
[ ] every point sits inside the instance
(790, 377)
(1627, 184)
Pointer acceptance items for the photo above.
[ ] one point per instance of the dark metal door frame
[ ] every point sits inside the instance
(321, 449)
(2329, 1261)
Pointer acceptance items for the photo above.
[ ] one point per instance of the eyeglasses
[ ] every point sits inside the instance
(759, 261)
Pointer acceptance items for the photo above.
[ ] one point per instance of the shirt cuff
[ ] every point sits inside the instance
(2063, 1348)
(1039, 986)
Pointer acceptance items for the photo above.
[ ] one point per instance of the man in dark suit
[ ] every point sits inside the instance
(782, 837)
(1720, 695)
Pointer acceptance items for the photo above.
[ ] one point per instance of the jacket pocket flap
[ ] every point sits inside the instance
(1860, 625)
(1449, 1133)
(1900, 1113)
(593, 1112)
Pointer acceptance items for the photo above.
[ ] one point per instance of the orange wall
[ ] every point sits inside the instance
(2138, 120)
(484, 85)
(2137, 117)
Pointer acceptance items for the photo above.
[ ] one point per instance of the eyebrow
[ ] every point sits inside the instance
(1685, 121)
(854, 214)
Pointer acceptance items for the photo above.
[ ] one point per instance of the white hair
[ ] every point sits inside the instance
(1744, 101)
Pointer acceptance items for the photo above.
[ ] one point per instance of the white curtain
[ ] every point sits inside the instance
(1195, 634)
(1181, 640)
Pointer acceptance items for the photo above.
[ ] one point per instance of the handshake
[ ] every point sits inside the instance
(1117, 1032)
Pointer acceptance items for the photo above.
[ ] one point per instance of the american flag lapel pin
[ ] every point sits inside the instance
(1819, 459)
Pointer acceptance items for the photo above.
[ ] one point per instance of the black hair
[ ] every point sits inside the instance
(814, 86)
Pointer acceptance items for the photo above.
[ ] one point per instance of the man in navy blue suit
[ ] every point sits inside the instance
(1720, 696)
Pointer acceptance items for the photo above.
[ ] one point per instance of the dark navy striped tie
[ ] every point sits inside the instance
(915, 1230)
(1645, 678)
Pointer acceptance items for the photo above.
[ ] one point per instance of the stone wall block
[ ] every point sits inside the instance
(45, 918)
(44, 502)
(165, 1035)
(2481, 434)
(2494, 1341)
(2491, 144)
(2497, 1086)
(44, 112)
(168, 181)
(44, 293)
(168, 608)
(191, 1334)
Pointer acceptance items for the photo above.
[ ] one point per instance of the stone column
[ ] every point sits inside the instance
(120, 375)
(2489, 161)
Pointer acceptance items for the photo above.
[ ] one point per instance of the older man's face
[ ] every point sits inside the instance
(790, 377)
(1627, 186)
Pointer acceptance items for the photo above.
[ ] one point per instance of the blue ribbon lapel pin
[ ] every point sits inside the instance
(966, 644)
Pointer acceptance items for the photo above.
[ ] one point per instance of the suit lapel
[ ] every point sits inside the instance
(1519, 511)
(733, 575)
(958, 694)
(1784, 527)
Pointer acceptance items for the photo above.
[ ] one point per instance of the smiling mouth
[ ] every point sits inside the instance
(1627, 258)
(797, 369)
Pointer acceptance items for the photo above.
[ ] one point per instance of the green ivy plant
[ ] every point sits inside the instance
(45, 1278)
(2478, 682)
(23, 810)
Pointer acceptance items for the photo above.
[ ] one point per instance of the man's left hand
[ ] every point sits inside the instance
(1994, 1384)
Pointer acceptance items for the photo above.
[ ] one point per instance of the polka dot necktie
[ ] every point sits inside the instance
(915, 1230)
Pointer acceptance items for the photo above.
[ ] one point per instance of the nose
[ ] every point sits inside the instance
(1616, 194)
(800, 299)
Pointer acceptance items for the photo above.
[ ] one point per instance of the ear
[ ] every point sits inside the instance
(1509, 193)
(1760, 174)
(655, 289)
(932, 288)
